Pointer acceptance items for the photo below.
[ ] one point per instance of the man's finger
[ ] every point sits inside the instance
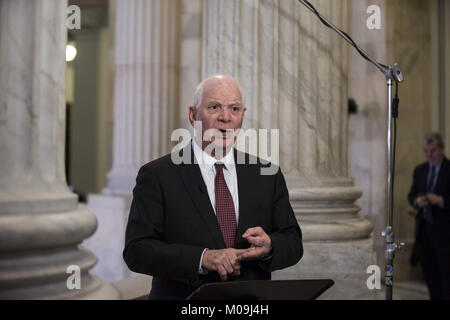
(257, 241)
(237, 252)
(228, 267)
(237, 269)
(256, 231)
(244, 251)
(252, 253)
(222, 273)
(235, 263)
(236, 272)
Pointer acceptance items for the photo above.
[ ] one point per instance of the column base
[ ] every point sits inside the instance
(337, 241)
(345, 262)
(92, 288)
(42, 258)
(335, 230)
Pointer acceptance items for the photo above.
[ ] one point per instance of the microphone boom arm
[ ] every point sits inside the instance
(391, 72)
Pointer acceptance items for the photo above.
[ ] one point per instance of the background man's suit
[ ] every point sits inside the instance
(433, 239)
(171, 222)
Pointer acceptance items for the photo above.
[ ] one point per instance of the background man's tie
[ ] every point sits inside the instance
(225, 213)
(427, 215)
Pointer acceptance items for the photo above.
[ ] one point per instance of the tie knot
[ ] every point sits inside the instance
(219, 166)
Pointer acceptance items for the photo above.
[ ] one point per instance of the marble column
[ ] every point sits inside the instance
(191, 59)
(145, 88)
(145, 99)
(41, 225)
(293, 71)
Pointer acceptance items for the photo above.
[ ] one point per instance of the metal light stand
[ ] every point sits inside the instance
(392, 74)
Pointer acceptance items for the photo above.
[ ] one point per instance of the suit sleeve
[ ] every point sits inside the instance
(145, 250)
(286, 236)
(446, 194)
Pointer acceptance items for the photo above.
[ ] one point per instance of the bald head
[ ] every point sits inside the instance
(214, 83)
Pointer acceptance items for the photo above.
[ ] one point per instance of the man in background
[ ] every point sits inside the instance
(430, 195)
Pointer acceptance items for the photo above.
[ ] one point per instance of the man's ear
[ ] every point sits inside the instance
(192, 114)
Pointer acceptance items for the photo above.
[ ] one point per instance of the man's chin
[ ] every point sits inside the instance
(224, 146)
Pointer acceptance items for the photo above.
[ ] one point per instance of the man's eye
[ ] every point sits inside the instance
(214, 107)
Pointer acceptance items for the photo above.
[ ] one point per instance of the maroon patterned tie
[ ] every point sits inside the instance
(225, 213)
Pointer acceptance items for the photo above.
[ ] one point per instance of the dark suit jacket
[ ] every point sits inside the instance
(172, 221)
(440, 229)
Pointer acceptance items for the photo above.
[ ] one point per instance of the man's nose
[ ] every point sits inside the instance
(224, 115)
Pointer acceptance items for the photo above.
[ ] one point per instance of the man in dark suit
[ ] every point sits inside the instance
(211, 217)
(430, 194)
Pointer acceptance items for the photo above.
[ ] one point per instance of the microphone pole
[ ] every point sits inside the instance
(392, 74)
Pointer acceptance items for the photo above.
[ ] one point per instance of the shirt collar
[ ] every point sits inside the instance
(437, 166)
(206, 161)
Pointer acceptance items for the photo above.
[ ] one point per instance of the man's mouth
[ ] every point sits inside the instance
(226, 133)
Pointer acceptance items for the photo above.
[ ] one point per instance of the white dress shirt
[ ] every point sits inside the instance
(206, 163)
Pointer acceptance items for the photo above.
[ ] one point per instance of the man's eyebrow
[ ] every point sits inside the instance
(213, 102)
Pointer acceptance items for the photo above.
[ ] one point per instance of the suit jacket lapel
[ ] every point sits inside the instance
(193, 181)
(424, 178)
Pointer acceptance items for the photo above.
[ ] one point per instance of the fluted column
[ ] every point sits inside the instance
(41, 224)
(146, 86)
(146, 91)
(293, 71)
